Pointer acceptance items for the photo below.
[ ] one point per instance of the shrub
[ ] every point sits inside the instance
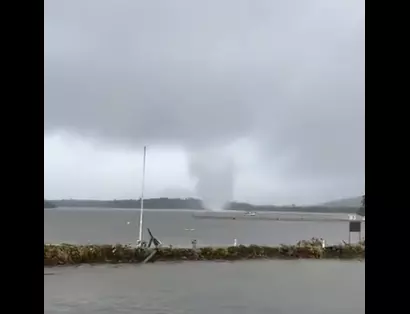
(66, 254)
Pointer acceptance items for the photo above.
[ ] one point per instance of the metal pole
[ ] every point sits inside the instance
(142, 198)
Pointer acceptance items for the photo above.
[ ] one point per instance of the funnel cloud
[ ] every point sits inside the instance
(260, 101)
(214, 171)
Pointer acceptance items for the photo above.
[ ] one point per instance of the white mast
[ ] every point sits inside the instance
(142, 198)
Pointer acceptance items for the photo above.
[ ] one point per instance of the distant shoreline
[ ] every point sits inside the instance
(192, 204)
(48, 204)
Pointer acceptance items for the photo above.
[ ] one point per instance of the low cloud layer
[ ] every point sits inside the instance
(285, 76)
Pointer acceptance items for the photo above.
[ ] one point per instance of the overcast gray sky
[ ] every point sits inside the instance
(259, 101)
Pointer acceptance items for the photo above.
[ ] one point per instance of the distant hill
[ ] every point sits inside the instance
(151, 203)
(196, 204)
(345, 202)
(48, 204)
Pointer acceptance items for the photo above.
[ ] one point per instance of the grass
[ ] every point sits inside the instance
(69, 254)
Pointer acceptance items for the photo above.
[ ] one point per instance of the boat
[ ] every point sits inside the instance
(252, 214)
(140, 243)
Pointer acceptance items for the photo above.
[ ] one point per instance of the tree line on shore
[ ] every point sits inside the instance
(48, 204)
(362, 208)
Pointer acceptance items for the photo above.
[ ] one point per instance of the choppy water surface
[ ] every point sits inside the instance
(180, 227)
(274, 287)
(251, 287)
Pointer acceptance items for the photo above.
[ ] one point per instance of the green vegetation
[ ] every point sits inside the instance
(192, 203)
(362, 208)
(67, 254)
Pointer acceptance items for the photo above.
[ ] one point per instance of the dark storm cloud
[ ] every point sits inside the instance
(287, 74)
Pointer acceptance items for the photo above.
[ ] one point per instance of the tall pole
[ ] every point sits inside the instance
(142, 197)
